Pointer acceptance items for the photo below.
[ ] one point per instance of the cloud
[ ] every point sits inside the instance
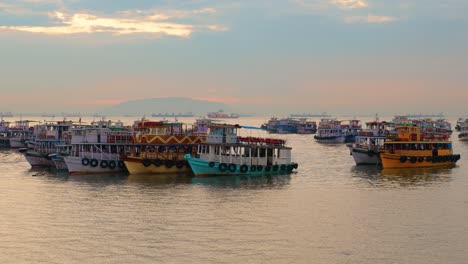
(369, 19)
(87, 23)
(350, 4)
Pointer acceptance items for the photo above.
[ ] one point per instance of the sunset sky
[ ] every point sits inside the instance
(337, 56)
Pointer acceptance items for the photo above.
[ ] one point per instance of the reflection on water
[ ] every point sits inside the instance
(244, 181)
(148, 179)
(378, 177)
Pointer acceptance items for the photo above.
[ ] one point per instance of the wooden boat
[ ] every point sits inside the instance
(226, 153)
(159, 147)
(411, 148)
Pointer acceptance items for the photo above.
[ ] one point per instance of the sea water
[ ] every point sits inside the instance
(330, 211)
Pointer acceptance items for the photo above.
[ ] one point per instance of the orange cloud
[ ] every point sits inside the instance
(86, 23)
(370, 19)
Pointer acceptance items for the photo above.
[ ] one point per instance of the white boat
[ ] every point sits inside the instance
(330, 131)
(20, 133)
(49, 138)
(460, 122)
(369, 141)
(4, 133)
(98, 148)
(463, 136)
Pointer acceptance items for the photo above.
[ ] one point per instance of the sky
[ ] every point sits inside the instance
(335, 56)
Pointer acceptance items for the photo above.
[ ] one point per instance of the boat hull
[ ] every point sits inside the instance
(202, 168)
(392, 161)
(331, 140)
(38, 159)
(4, 142)
(136, 166)
(59, 163)
(364, 156)
(75, 166)
(17, 143)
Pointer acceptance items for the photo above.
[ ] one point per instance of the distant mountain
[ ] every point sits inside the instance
(164, 105)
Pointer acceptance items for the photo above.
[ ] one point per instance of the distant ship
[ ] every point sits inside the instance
(221, 114)
(189, 114)
(424, 115)
(324, 114)
(6, 114)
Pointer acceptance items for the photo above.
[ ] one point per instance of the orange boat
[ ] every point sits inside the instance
(411, 148)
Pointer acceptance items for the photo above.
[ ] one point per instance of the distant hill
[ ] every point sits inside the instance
(164, 105)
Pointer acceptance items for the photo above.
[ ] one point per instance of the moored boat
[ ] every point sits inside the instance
(226, 153)
(463, 136)
(4, 133)
(369, 141)
(98, 148)
(330, 131)
(411, 148)
(49, 138)
(20, 133)
(160, 147)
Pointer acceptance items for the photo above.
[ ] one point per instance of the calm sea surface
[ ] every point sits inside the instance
(330, 211)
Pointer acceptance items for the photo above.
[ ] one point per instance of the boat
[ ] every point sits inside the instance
(369, 141)
(221, 114)
(463, 136)
(49, 138)
(175, 115)
(226, 153)
(460, 121)
(413, 148)
(302, 115)
(160, 146)
(330, 131)
(351, 129)
(4, 133)
(287, 126)
(200, 127)
(420, 115)
(20, 133)
(271, 126)
(290, 126)
(98, 148)
(306, 127)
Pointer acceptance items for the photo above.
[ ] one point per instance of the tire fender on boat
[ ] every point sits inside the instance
(85, 161)
(146, 162)
(93, 162)
(403, 159)
(104, 164)
(222, 167)
(244, 168)
(180, 164)
(112, 164)
(169, 163)
(157, 162)
(232, 167)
